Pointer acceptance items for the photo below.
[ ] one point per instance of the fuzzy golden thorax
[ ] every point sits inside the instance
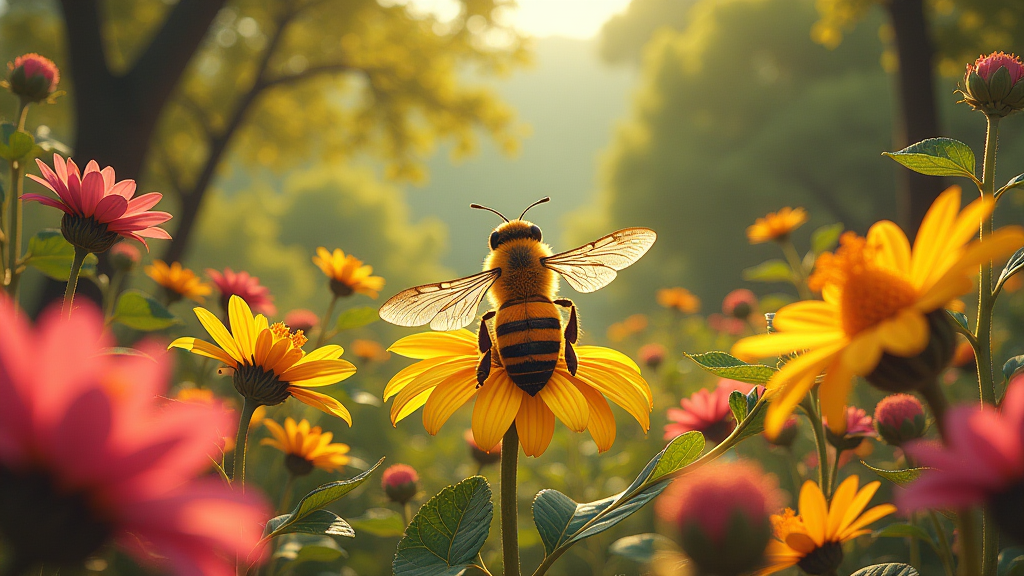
(516, 249)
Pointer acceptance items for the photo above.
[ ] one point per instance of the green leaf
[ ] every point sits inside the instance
(445, 536)
(380, 522)
(959, 318)
(317, 499)
(316, 522)
(728, 366)
(738, 405)
(825, 238)
(887, 570)
(52, 255)
(315, 554)
(1012, 366)
(682, 451)
(901, 530)
(357, 318)
(898, 477)
(140, 311)
(937, 157)
(770, 271)
(16, 145)
(640, 547)
(1011, 562)
(1013, 266)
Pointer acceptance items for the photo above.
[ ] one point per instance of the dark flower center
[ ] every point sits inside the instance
(899, 374)
(259, 385)
(822, 560)
(297, 465)
(43, 524)
(718, 431)
(340, 289)
(87, 234)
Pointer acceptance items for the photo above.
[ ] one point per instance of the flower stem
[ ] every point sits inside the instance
(810, 406)
(407, 512)
(110, 296)
(797, 265)
(14, 230)
(238, 470)
(286, 493)
(944, 547)
(76, 269)
(509, 502)
(986, 300)
(322, 336)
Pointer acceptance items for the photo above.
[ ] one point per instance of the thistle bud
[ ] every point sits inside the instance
(900, 418)
(480, 456)
(32, 77)
(124, 256)
(400, 483)
(652, 355)
(900, 374)
(993, 84)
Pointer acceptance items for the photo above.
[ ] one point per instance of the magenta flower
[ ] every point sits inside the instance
(97, 209)
(89, 456)
(33, 77)
(982, 462)
(400, 482)
(739, 304)
(706, 411)
(858, 422)
(248, 288)
(899, 418)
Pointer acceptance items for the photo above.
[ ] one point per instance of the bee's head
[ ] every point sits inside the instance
(513, 229)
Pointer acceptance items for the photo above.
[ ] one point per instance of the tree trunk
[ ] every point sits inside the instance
(917, 118)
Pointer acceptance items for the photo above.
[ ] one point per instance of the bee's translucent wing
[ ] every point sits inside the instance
(445, 305)
(592, 266)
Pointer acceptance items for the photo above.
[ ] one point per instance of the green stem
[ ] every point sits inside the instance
(833, 478)
(14, 231)
(986, 300)
(238, 470)
(509, 502)
(286, 493)
(480, 565)
(110, 297)
(407, 512)
(797, 265)
(810, 406)
(76, 269)
(944, 547)
(322, 337)
(915, 546)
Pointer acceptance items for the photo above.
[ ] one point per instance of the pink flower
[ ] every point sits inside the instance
(652, 355)
(739, 304)
(85, 442)
(986, 66)
(726, 324)
(125, 256)
(301, 319)
(858, 422)
(400, 483)
(246, 287)
(706, 412)
(899, 418)
(981, 462)
(97, 208)
(33, 77)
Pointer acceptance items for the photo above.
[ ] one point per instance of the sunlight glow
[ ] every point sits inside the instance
(567, 18)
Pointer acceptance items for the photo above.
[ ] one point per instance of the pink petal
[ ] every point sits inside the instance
(124, 188)
(52, 181)
(72, 170)
(92, 192)
(108, 177)
(60, 167)
(46, 200)
(92, 166)
(154, 232)
(135, 237)
(110, 208)
(139, 221)
(143, 203)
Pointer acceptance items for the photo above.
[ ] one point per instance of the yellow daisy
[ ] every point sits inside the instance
(813, 540)
(878, 295)
(776, 225)
(347, 273)
(179, 282)
(268, 362)
(445, 378)
(306, 447)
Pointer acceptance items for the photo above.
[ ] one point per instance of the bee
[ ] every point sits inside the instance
(520, 273)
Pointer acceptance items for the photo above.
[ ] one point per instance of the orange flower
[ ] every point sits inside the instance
(776, 225)
(679, 299)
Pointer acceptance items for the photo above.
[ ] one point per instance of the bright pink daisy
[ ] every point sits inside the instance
(706, 411)
(982, 462)
(230, 283)
(97, 208)
(858, 422)
(89, 456)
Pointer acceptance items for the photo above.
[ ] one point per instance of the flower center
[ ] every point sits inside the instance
(280, 331)
(340, 289)
(45, 525)
(822, 560)
(87, 234)
(259, 385)
(297, 465)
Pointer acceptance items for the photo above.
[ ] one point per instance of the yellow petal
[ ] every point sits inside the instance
(834, 391)
(567, 403)
(410, 373)
(956, 280)
(322, 402)
(905, 335)
(813, 511)
(497, 404)
(602, 353)
(243, 326)
(859, 502)
(464, 367)
(790, 384)
(329, 352)
(338, 369)
(615, 387)
(535, 424)
(841, 500)
(203, 348)
(275, 429)
(623, 373)
(808, 316)
(411, 406)
(930, 244)
(264, 342)
(776, 344)
(863, 352)
(602, 421)
(876, 513)
(893, 248)
(448, 397)
(433, 344)
(219, 333)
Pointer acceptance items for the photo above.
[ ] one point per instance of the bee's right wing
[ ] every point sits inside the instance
(445, 305)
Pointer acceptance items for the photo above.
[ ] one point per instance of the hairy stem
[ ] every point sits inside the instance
(76, 270)
(810, 406)
(238, 470)
(322, 336)
(946, 551)
(509, 502)
(986, 300)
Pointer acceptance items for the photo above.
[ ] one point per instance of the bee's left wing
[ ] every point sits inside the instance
(446, 305)
(592, 266)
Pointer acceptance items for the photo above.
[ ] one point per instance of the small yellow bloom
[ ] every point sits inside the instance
(877, 298)
(445, 378)
(679, 299)
(306, 447)
(268, 362)
(813, 539)
(776, 225)
(178, 281)
(347, 273)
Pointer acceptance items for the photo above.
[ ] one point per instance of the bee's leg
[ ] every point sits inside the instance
(571, 333)
(483, 369)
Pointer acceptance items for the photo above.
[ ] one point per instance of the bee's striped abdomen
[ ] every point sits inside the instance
(529, 338)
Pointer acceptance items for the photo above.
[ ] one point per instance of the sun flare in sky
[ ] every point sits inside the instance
(568, 18)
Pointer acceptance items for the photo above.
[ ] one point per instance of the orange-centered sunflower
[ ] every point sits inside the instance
(268, 361)
(177, 281)
(813, 540)
(878, 299)
(445, 378)
(306, 447)
(347, 273)
(776, 225)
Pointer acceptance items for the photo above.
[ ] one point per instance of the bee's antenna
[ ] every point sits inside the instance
(479, 207)
(541, 201)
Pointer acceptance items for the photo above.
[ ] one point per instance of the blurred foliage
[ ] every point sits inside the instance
(624, 35)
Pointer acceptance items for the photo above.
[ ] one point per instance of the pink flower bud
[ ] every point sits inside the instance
(652, 355)
(482, 457)
(900, 418)
(400, 483)
(125, 256)
(993, 84)
(739, 304)
(33, 77)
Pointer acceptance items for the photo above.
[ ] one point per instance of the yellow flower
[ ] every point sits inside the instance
(306, 447)
(813, 539)
(445, 378)
(268, 362)
(877, 298)
(179, 282)
(776, 225)
(348, 275)
(679, 299)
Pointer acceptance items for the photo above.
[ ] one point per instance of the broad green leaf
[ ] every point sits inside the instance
(937, 157)
(300, 549)
(682, 451)
(315, 554)
(52, 255)
(887, 570)
(727, 366)
(738, 405)
(1014, 182)
(316, 522)
(141, 311)
(959, 318)
(320, 497)
(825, 238)
(445, 536)
(640, 547)
(1013, 266)
(380, 522)
(357, 318)
(898, 477)
(753, 423)
(770, 271)
(1012, 366)
(16, 145)
(901, 530)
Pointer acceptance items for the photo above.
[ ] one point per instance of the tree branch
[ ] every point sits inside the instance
(307, 73)
(85, 45)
